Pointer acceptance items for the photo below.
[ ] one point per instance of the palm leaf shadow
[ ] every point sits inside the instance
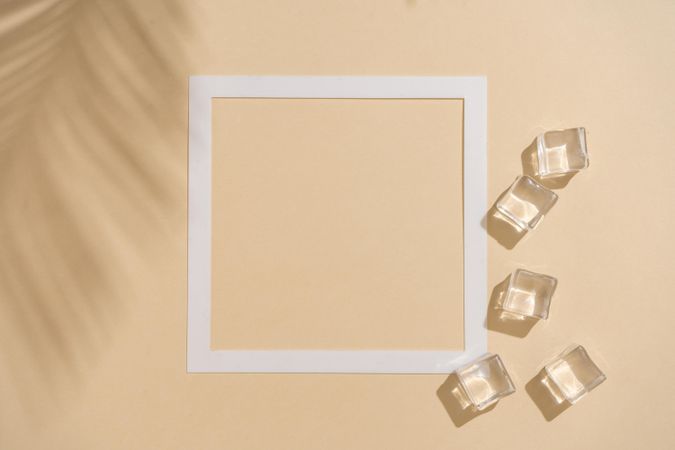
(87, 171)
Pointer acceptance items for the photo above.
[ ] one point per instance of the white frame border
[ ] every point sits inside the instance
(200, 357)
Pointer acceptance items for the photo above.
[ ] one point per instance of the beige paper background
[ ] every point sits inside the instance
(337, 224)
(93, 200)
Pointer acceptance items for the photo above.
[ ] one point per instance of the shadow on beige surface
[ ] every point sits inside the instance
(460, 412)
(529, 161)
(498, 320)
(85, 176)
(543, 394)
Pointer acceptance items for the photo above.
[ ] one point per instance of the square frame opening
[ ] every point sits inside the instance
(202, 89)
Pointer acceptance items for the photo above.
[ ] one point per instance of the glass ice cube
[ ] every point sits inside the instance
(485, 381)
(525, 203)
(529, 294)
(574, 373)
(561, 152)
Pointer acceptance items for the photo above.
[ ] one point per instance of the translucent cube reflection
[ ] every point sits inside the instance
(574, 373)
(525, 203)
(561, 152)
(528, 294)
(485, 381)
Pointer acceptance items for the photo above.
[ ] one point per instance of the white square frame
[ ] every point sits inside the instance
(200, 357)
